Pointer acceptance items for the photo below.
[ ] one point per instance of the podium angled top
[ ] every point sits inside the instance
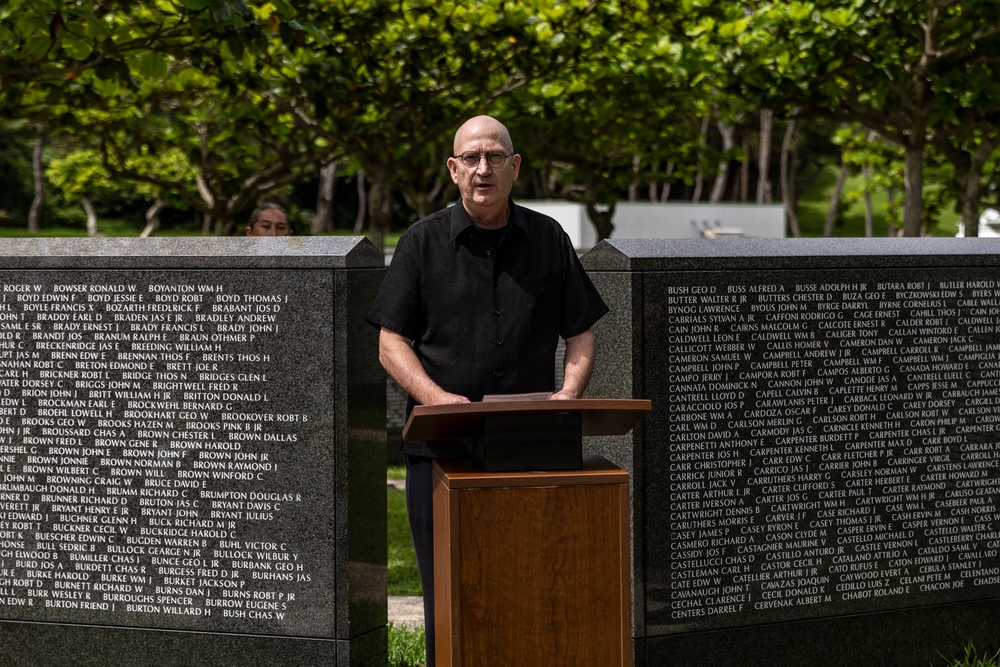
(599, 416)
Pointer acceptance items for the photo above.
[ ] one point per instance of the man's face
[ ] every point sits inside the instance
(270, 222)
(484, 189)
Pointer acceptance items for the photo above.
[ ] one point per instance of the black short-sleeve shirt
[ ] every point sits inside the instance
(485, 318)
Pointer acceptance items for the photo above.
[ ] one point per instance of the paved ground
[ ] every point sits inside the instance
(406, 610)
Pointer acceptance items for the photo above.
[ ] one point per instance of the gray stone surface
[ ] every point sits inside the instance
(193, 433)
(620, 375)
(821, 449)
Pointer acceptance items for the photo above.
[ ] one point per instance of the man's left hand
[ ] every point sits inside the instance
(563, 395)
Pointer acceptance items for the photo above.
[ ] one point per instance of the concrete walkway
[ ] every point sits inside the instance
(406, 610)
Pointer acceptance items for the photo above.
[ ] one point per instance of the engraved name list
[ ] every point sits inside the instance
(832, 445)
(157, 455)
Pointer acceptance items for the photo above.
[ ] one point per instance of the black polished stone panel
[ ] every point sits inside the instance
(51, 645)
(904, 638)
(193, 451)
(360, 434)
(831, 443)
(821, 459)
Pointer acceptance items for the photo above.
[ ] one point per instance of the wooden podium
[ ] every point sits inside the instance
(525, 435)
(531, 567)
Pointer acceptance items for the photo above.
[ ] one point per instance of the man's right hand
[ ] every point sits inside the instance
(448, 399)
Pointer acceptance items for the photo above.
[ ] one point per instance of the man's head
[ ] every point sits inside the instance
(268, 219)
(485, 187)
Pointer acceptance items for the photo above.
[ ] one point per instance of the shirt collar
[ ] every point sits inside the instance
(460, 220)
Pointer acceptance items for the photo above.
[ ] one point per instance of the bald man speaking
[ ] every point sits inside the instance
(474, 302)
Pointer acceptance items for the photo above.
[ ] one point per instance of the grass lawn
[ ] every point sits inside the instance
(815, 201)
(406, 646)
(404, 579)
(972, 659)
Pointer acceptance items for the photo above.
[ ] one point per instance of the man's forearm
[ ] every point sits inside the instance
(578, 366)
(401, 363)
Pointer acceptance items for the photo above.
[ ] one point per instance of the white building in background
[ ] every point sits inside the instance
(647, 220)
(989, 224)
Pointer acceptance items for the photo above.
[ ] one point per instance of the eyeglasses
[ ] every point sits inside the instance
(472, 160)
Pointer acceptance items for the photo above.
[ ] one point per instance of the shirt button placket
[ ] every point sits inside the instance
(497, 314)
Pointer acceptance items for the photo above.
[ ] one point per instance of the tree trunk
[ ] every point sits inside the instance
(153, 218)
(719, 187)
(970, 185)
(788, 194)
(699, 179)
(970, 229)
(913, 178)
(601, 220)
(866, 174)
(208, 197)
(665, 192)
(323, 220)
(745, 171)
(88, 207)
(890, 228)
(970, 211)
(633, 188)
(379, 210)
(831, 213)
(426, 191)
(968, 194)
(764, 157)
(869, 212)
(359, 221)
(423, 202)
(225, 225)
(38, 174)
(654, 187)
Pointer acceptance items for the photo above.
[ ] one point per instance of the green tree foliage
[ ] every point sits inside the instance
(233, 129)
(893, 67)
(391, 81)
(44, 43)
(80, 175)
(140, 80)
(209, 125)
(226, 102)
(627, 99)
(15, 171)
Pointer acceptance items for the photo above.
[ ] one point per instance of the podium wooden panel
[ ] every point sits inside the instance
(532, 568)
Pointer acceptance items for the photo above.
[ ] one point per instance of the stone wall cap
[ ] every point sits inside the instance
(706, 254)
(235, 252)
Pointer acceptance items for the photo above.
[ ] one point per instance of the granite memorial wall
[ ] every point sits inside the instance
(191, 453)
(818, 482)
